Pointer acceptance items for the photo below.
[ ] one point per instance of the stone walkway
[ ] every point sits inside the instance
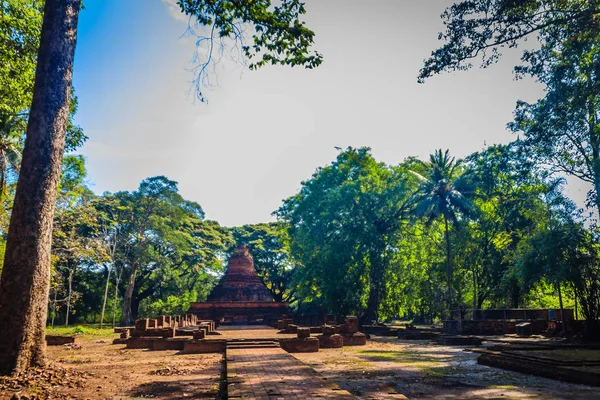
(248, 332)
(272, 373)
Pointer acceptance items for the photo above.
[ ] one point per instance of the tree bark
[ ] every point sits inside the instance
(25, 281)
(474, 292)
(117, 280)
(54, 307)
(562, 310)
(70, 292)
(126, 317)
(448, 263)
(375, 287)
(105, 297)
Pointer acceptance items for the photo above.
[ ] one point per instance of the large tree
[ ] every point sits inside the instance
(510, 198)
(26, 273)
(343, 225)
(480, 29)
(279, 36)
(561, 129)
(444, 193)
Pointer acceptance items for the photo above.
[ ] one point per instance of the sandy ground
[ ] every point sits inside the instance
(100, 370)
(422, 371)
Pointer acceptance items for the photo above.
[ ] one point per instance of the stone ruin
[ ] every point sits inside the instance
(524, 322)
(329, 339)
(240, 297)
(182, 332)
(332, 336)
(303, 343)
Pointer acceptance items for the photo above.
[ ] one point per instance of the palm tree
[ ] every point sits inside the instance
(445, 192)
(10, 149)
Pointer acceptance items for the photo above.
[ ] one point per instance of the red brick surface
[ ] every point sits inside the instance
(355, 339)
(57, 340)
(330, 341)
(300, 345)
(203, 346)
(274, 374)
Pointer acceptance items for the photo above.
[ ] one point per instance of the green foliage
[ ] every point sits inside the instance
(172, 305)
(561, 130)
(342, 225)
(80, 330)
(160, 251)
(511, 198)
(279, 36)
(75, 137)
(20, 26)
(444, 193)
(348, 242)
(481, 28)
(563, 252)
(11, 147)
(163, 245)
(87, 330)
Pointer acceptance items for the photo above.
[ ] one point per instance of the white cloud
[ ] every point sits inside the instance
(174, 10)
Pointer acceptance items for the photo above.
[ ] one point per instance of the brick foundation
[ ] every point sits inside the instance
(204, 346)
(140, 343)
(297, 345)
(355, 339)
(167, 344)
(334, 341)
(57, 340)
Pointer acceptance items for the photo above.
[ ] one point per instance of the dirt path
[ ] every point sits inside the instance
(106, 371)
(421, 371)
(99, 370)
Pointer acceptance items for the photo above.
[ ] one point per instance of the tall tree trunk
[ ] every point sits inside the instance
(54, 307)
(562, 310)
(126, 316)
(69, 293)
(474, 292)
(25, 281)
(135, 307)
(515, 294)
(576, 307)
(448, 262)
(594, 140)
(105, 297)
(116, 299)
(375, 287)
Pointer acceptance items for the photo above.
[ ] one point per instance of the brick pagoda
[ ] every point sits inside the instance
(240, 297)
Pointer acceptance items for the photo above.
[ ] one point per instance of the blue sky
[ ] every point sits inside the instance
(263, 132)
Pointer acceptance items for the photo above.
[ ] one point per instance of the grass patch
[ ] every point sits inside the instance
(81, 330)
(504, 387)
(351, 361)
(442, 371)
(401, 356)
(430, 365)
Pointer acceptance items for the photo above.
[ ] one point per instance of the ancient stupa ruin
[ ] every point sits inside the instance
(240, 297)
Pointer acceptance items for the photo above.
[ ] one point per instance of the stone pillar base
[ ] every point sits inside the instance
(330, 341)
(355, 339)
(297, 345)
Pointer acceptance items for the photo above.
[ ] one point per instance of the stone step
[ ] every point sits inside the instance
(252, 345)
(242, 341)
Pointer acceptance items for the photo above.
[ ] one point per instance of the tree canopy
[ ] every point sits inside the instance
(480, 29)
